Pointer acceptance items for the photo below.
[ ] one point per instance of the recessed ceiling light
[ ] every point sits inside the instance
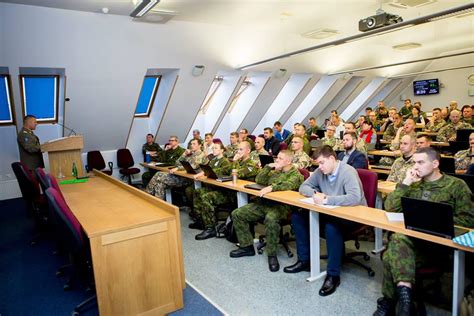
(406, 46)
(320, 33)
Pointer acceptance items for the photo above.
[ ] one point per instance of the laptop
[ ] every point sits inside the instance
(429, 217)
(265, 160)
(212, 175)
(447, 165)
(462, 135)
(187, 166)
(455, 146)
(321, 133)
(254, 186)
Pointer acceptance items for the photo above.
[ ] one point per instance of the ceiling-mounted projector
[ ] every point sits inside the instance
(379, 20)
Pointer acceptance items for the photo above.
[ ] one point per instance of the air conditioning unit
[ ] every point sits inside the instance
(157, 16)
(405, 4)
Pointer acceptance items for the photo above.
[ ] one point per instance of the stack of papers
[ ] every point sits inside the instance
(394, 217)
(311, 201)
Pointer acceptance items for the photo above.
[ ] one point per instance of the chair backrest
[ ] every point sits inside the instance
(283, 146)
(42, 179)
(29, 186)
(369, 185)
(217, 140)
(304, 172)
(252, 137)
(95, 160)
(124, 158)
(67, 222)
(53, 183)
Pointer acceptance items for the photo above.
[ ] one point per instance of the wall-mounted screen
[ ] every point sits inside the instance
(425, 87)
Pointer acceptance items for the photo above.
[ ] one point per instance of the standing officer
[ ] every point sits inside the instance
(29, 144)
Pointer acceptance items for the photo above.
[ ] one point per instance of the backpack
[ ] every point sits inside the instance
(226, 230)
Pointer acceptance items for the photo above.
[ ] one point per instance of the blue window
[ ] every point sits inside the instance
(6, 106)
(147, 95)
(40, 97)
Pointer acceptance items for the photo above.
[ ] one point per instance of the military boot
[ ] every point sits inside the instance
(404, 306)
(385, 307)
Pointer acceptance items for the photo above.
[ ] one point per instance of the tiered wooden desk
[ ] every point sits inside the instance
(135, 243)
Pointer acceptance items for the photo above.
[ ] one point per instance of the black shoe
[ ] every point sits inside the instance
(273, 263)
(404, 306)
(298, 267)
(206, 234)
(330, 285)
(243, 252)
(385, 307)
(197, 225)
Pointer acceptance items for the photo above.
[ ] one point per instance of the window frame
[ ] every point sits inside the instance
(56, 97)
(152, 99)
(9, 92)
(210, 94)
(243, 86)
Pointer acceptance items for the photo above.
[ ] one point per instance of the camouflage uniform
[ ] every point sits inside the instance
(251, 142)
(271, 211)
(470, 121)
(30, 149)
(163, 180)
(171, 155)
(448, 132)
(206, 198)
(435, 127)
(390, 132)
(246, 169)
(301, 160)
(231, 150)
(405, 112)
(254, 155)
(404, 254)
(395, 146)
(146, 176)
(311, 130)
(333, 142)
(382, 113)
(461, 159)
(399, 169)
(189, 143)
(306, 144)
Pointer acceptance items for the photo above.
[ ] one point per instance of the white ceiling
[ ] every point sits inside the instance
(285, 21)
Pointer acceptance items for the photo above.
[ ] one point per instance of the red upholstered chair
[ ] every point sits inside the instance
(125, 162)
(74, 237)
(283, 146)
(42, 179)
(217, 140)
(96, 161)
(252, 137)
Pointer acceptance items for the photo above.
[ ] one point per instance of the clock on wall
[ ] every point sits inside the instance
(470, 79)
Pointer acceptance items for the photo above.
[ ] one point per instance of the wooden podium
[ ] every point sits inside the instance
(62, 152)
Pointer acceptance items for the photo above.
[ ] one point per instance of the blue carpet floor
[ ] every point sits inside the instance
(28, 284)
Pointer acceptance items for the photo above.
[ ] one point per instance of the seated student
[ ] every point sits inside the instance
(417, 116)
(206, 198)
(408, 128)
(329, 138)
(280, 133)
(196, 135)
(392, 127)
(388, 120)
(284, 177)
(467, 116)
(404, 254)
(259, 150)
(232, 148)
(435, 122)
(208, 144)
(272, 145)
(312, 129)
(448, 132)
(299, 130)
(423, 141)
(464, 158)
(244, 137)
(351, 155)
(333, 183)
(360, 145)
(368, 134)
(163, 180)
(376, 124)
(301, 160)
(405, 162)
(155, 152)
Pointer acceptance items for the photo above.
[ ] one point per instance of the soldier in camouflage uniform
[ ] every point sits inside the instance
(162, 181)
(404, 254)
(407, 129)
(448, 132)
(402, 164)
(329, 139)
(259, 150)
(232, 148)
(172, 151)
(436, 122)
(299, 130)
(391, 130)
(312, 129)
(284, 177)
(301, 160)
(405, 111)
(467, 116)
(350, 127)
(464, 158)
(196, 135)
(155, 151)
(29, 144)
(244, 137)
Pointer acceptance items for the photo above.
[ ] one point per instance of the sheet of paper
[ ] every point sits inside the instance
(310, 201)
(394, 217)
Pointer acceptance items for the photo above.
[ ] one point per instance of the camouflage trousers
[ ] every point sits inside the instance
(162, 181)
(147, 176)
(403, 256)
(272, 213)
(205, 201)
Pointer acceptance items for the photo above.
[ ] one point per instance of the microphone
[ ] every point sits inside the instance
(71, 131)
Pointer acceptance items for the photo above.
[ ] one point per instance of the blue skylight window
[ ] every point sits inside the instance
(40, 97)
(6, 107)
(147, 96)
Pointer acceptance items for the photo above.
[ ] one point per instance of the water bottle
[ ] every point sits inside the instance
(74, 170)
(147, 157)
(234, 176)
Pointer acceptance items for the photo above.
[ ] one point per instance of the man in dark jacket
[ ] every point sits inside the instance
(351, 155)
(272, 145)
